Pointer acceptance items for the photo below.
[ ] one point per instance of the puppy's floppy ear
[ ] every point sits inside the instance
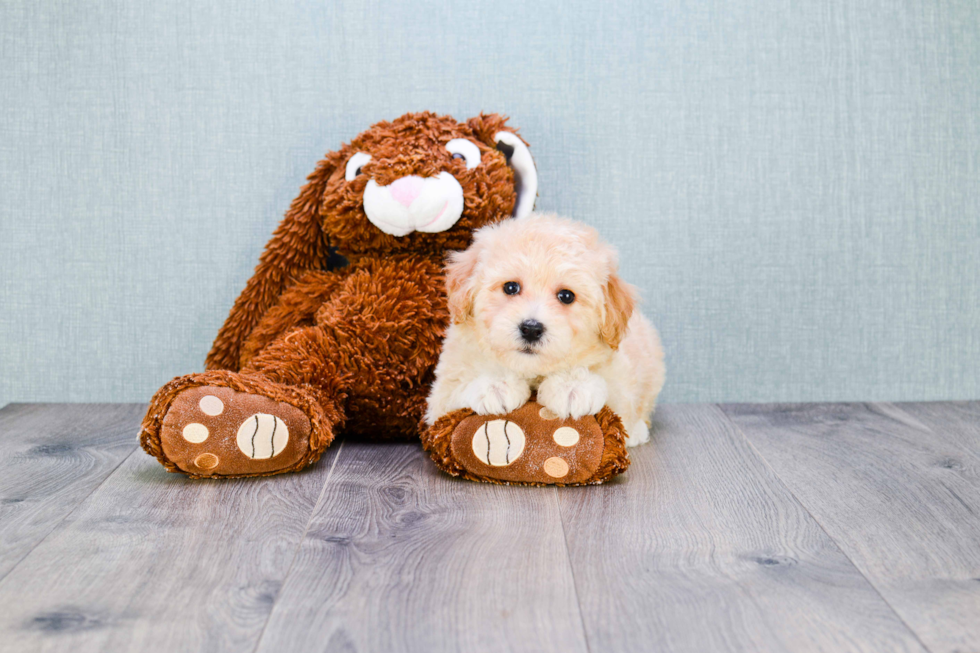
(298, 244)
(620, 298)
(460, 282)
(494, 132)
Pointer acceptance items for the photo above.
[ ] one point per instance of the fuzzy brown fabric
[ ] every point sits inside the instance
(316, 351)
(353, 348)
(596, 456)
(152, 433)
(330, 211)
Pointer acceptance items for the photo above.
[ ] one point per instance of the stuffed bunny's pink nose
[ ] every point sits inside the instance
(406, 189)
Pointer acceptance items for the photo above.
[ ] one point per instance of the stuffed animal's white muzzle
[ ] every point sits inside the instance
(413, 203)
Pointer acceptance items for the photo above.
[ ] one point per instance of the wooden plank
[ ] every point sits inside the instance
(700, 548)
(55, 455)
(901, 500)
(958, 421)
(401, 557)
(153, 561)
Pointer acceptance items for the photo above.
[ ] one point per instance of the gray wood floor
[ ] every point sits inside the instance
(816, 527)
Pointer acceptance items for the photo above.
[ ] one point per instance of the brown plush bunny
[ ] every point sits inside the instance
(309, 351)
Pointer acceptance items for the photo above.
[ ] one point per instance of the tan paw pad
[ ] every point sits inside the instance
(195, 432)
(206, 461)
(498, 443)
(555, 467)
(215, 431)
(526, 446)
(262, 436)
(566, 436)
(211, 405)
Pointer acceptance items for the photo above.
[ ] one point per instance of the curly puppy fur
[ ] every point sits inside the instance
(360, 341)
(581, 354)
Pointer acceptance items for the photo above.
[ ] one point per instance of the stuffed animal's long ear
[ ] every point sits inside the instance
(461, 282)
(492, 130)
(298, 244)
(620, 301)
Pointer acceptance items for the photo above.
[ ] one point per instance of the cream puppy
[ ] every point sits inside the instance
(536, 304)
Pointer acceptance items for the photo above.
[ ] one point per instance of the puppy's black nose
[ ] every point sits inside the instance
(531, 330)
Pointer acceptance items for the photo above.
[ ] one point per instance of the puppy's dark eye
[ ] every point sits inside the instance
(566, 296)
(512, 288)
(459, 155)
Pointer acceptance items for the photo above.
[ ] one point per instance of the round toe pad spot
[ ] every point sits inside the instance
(566, 436)
(211, 405)
(195, 432)
(206, 461)
(555, 467)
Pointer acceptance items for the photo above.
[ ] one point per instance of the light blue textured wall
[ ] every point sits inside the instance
(793, 183)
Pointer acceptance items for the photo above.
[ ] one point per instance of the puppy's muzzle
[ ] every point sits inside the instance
(531, 330)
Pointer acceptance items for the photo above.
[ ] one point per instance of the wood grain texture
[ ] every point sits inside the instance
(722, 536)
(957, 421)
(901, 499)
(700, 548)
(54, 456)
(153, 561)
(400, 557)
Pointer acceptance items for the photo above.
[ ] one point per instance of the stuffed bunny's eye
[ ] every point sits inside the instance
(461, 148)
(354, 165)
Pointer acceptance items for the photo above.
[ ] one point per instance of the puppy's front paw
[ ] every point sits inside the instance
(489, 395)
(574, 393)
(637, 434)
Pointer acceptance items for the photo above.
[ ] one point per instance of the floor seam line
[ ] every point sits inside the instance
(571, 570)
(820, 525)
(299, 545)
(71, 512)
(927, 424)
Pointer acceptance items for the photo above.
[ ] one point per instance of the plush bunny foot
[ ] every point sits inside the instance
(222, 424)
(529, 446)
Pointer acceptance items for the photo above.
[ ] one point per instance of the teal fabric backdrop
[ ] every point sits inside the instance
(793, 184)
